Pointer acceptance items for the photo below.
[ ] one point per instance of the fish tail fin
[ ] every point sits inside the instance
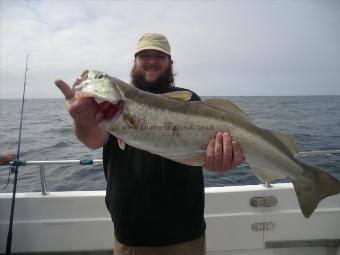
(321, 186)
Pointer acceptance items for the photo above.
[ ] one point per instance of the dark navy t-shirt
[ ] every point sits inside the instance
(153, 201)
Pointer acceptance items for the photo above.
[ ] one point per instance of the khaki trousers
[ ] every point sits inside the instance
(195, 247)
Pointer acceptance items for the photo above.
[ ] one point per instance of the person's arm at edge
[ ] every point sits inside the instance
(6, 157)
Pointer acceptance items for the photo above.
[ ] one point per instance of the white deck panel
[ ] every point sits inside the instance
(79, 222)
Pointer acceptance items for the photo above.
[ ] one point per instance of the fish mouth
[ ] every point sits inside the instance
(111, 111)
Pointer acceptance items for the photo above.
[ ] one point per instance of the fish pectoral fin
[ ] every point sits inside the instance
(179, 95)
(320, 186)
(266, 175)
(226, 105)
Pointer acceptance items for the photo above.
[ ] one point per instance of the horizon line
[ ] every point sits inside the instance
(301, 95)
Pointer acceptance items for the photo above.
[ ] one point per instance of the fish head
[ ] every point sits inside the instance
(98, 85)
(103, 89)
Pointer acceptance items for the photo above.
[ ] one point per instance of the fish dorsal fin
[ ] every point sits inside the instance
(226, 105)
(287, 140)
(179, 95)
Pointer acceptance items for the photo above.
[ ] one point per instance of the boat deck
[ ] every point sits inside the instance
(250, 220)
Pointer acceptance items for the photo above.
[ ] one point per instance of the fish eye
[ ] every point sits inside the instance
(100, 76)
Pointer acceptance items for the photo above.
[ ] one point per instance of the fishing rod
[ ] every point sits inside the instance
(15, 169)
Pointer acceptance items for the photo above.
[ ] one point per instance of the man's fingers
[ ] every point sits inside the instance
(218, 150)
(227, 150)
(237, 154)
(65, 89)
(121, 144)
(223, 153)
(88, 109)
(210, 153)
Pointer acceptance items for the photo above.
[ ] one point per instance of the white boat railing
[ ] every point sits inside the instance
(86, 162)
(251, 219)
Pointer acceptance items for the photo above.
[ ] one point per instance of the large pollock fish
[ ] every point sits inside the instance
(171, 126)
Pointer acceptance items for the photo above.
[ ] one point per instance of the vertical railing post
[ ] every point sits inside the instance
(267, 185)
(42, 180)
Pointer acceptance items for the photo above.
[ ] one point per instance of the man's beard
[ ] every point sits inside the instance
(160, 85)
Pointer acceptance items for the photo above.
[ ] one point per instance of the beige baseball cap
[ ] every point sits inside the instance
(153, 41)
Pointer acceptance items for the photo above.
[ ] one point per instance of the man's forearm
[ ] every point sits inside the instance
(94, 137)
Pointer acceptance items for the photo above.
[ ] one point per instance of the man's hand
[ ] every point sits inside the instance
(87, 115)
(223, 154)
(84, 111)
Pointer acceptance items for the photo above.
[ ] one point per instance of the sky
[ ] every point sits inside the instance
(219, 48)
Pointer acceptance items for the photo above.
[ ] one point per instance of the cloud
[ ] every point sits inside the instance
(238, 47)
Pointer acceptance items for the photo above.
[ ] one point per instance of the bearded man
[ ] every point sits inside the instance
(156, 205)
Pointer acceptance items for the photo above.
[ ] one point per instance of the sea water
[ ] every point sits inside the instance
(47, 135)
